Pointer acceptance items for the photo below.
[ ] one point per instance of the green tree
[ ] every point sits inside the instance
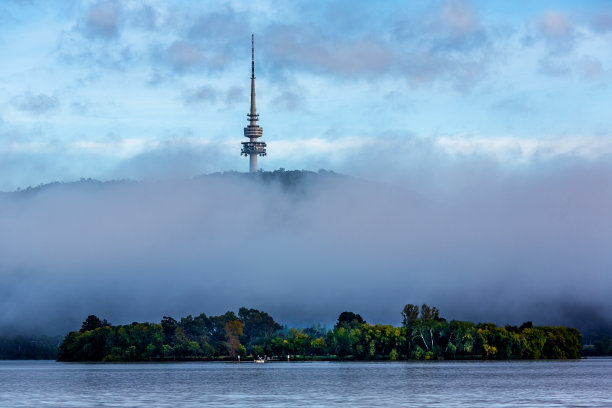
(91, 323)
(533, 341)
(169, 325)
(258, 326)
(349, 319)
(195, 328)
(318, 345)
(409, 314)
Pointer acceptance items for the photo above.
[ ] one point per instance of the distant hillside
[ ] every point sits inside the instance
(289, 179)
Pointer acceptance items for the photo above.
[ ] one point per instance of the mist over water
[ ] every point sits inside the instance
(505, 249)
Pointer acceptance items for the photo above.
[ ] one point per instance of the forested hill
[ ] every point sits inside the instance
(290, 180)
(294, 182)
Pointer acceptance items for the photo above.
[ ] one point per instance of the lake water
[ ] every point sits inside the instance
(583, 383)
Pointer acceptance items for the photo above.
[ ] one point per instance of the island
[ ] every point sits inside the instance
(423, 335)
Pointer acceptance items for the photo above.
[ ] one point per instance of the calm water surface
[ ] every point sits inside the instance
(584, 383)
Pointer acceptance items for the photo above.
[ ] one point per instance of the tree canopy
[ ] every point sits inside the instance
(349, 319)
(422, 335)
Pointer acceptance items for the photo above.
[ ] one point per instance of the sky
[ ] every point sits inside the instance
(156, 89)
(477, 135)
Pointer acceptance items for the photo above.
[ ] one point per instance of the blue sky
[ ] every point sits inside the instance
(402, 91)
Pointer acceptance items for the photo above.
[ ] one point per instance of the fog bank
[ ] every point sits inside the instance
(305, 247)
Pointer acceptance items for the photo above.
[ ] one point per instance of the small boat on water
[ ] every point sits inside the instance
(259, 360)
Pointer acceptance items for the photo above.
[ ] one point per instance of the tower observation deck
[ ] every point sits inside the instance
(253, 148)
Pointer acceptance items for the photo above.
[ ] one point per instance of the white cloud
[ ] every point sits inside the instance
(319, 146)
(521, 149)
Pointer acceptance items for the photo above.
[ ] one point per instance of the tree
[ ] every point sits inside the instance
(257, 325)
(427, 334)
(91, 323)
(318, 345)
(316, 331)
(349, 319)
(195, 328)
(233, 330)
(169, 325)
(217, 325)
(533, 341)
(339, 341)
(410, 313)
(461, 338)
(429, 313)
(298, 341)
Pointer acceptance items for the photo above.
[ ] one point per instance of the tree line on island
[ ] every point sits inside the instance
(423, 335)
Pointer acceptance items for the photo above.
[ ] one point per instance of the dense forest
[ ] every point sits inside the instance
(423, 335)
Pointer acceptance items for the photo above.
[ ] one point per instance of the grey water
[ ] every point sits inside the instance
(578, 383)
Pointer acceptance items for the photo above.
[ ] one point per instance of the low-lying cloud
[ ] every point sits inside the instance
(505, 249)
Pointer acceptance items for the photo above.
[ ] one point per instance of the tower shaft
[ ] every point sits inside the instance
(253, 112)
(253, 148)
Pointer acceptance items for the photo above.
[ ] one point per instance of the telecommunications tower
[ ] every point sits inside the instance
(253, 148)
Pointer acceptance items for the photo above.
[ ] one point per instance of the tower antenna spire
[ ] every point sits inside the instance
(253, 131)
(252, 56)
